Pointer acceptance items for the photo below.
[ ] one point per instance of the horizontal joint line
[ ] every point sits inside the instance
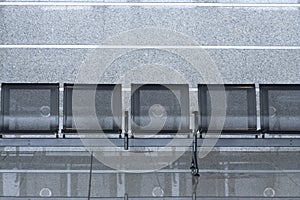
(145, 47)
(149, 4)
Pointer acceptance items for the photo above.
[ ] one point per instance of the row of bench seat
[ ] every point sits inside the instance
(33, 108)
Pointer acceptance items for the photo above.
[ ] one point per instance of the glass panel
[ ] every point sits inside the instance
(105, 111)
(29, 107)
(166, 99)
(160, 108)
(284, 109)
(240, 106)
(237, 109)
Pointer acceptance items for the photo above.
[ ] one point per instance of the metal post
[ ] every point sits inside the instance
(195, 116)
(194, 166)
(126, 196)
(195, 180)
(126, 131)
(120, 184)
(69, 182)
(90, 178)
(226, 181)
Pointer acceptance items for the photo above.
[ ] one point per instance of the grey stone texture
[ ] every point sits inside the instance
(207, 25)
(235, 66)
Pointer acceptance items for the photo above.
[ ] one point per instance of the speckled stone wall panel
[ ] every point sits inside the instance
(41, 65)
(258, 66)
(235, 66)
(206, 25)
(52, 24)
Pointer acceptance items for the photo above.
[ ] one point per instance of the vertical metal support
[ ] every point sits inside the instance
(61, 105)
(257, 93)
(90, 177)
(175, 181)
(196, 121)
(175, 184)
(126, 196)
(264, 109)
(195, 180)
(194, 197)
(120, 184)
(226, 180)
(126, 131)
(126, 121)
(120, 133)
(126, 141)
(69, 181)
(194, 166)
(202, 99)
